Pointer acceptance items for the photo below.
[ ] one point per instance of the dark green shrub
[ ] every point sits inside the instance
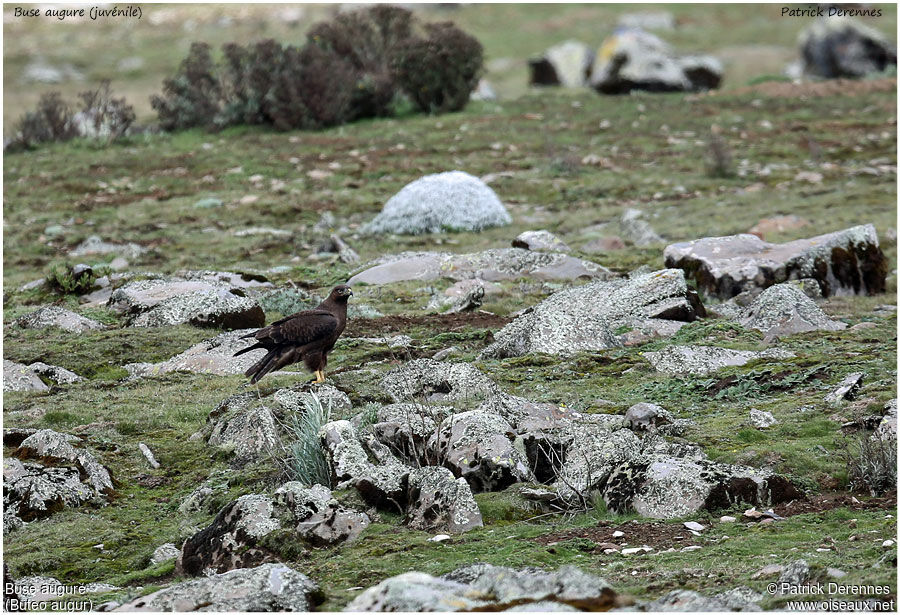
(69, 279)
(50, 121)
(248, 76)
(439, 72)
(193, 97)
(368, 39)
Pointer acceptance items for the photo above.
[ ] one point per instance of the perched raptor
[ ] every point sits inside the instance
(306, 336)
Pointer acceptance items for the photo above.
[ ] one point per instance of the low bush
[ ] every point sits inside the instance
(871, 462)
(50, 121)
(193, 96)
(102, 116)
(69, 279)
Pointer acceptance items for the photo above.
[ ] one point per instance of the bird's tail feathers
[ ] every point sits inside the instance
(255, 371)
(247, 349)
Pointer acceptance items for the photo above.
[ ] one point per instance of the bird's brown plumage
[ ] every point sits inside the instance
(306, 336)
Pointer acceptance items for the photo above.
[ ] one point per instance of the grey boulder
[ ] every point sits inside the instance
(586, 317)
(784, 309)
(61, 318)
(439, 501)
(847, 262)
(94, 245)
(492, 265)
(701, 360)
(437, 381)
(836, 47)
(452, 201)
(540, 241)
(18, 377)
(270, 587)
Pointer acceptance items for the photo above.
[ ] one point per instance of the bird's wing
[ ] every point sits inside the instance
(300, 328)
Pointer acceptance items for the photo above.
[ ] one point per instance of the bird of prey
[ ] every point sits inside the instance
(306, 336)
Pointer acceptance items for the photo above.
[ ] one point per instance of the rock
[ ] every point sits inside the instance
(370, 468)
(483, 587)
(436, 381)
(777, 224)
(463, 288)
(270, 587)
(727, 519)
(93, 245)
(453, 201)
(18, 377)
(32, 491)
(593, 456)
(540, 241)
(838, 46)
(439, 538)
(415, 592)
(761, 419)
(567, 64)
(701, 360)
(316, 515)
(484, 91)
(887, 428)
(466, 303)
(239, 279)
(845, 262)
(685, 600)
(438, 501)
(795, 574)
(632, 59)
(405, 428)
(477, 446)
(783, 309)
(661, 486)
(345, 253)
(603, 245)
(846, 389)
(491, 265)
(648, 20)
(693, 525)
(173, 301)
(768, 571)
(645, 417)
(164, 553)
(53, 316)
(54, 373)
(585, 318)
(637, 230)
(835, 573)
(208, 203)
(46, 444)
(245, 426)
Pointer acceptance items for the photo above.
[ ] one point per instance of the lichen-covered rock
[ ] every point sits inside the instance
(240, 279)
(46, 444)
(845, 262)
(415, 592)
(244, 425)
(585, 318)
(405, 428)
(231, 540)
(270, 587)
(706, 359)
(491, 265)
(173, 301)
(593, 455)
(57, 374)
(540, 241)
(55, 316)
(784, 309)
(846, 388)
(836, 47)
(637, 230)
(453, 201)
(477, 446)
(369, 467)
(164, 553)
(94, 245)
(686, 600)
(646, 417)
(483, 587)
(567, 64)
(18, 377)
(316, 515)
(440, 502)
(887, 428)
(437, 381)
(662, 486)
(32, 491)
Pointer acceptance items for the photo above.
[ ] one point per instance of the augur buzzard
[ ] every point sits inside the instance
(306, 336)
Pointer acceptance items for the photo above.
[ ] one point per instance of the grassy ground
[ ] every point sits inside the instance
(144, 191)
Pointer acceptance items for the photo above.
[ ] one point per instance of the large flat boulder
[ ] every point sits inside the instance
(270, 587)
(586, 317)
(61, 318)
(173, 301)
(452, 201)
(491, 265)
(700, 360)
(847, 262)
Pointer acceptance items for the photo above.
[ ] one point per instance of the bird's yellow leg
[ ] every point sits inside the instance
(320, 376)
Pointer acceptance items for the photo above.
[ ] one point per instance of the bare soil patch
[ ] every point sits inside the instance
(830, 501)
(654, 534)
(832, 87)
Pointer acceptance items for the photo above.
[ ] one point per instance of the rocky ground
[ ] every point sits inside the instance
(597, 392)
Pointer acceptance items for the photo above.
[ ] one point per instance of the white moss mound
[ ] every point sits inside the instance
(453, 201)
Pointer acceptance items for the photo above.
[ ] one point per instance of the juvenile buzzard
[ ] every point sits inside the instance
(306, 336)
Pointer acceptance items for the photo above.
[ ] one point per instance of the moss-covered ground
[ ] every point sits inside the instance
(144, 190)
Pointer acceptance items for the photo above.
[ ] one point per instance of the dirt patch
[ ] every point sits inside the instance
(440, 323)
(656, 534)
(830, 501)
(832, 87)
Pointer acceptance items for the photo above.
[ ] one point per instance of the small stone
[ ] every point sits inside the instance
(864, 325)
(693, 525)
(618, 534)
(727, 519)
(887, 543)
(768, 571)
(439, 538)
(835, 573)
(248, 199)
(692, 548)
(846, 389)
(761, 419)
(149, 455)
(208, 203)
